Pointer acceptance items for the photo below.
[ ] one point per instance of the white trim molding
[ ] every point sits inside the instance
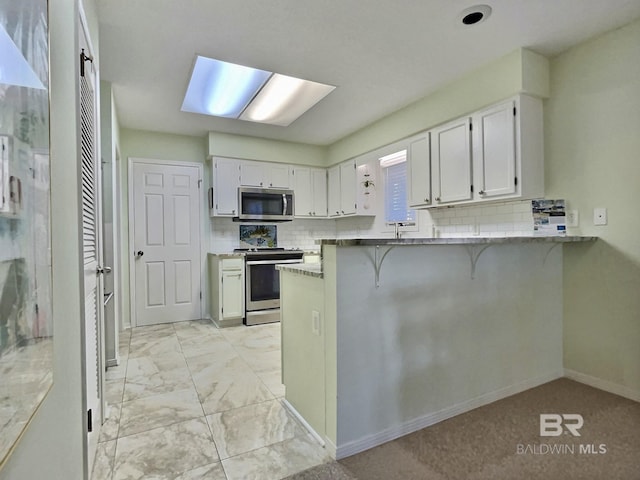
(370, 441)
(604, 385)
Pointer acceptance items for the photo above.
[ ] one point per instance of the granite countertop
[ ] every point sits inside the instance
(308, 269)
(350, 242)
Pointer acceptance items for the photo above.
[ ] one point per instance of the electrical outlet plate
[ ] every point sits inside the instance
(573, 218)
(600, 216)
(315, 322)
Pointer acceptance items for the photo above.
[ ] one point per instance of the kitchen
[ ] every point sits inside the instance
(590, 119)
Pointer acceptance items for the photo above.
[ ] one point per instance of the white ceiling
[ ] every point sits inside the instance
(381, 54)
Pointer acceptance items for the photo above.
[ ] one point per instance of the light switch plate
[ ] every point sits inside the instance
(573, 218)
(600, 216)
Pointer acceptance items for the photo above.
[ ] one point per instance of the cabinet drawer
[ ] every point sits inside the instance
(232, 263)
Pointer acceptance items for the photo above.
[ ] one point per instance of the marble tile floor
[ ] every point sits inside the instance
(190, 401)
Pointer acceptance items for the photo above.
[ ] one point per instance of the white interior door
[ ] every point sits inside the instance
(91, 245)
(166, 246)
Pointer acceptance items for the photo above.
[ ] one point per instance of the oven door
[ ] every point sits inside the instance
(263, 284)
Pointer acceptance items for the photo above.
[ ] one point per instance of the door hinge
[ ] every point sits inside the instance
(200, 295)
(470, 127)
(471, 188)
(515, 180)
(89, 421)
(199, 183)
(514, 111)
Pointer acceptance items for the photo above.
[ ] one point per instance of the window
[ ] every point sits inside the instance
(394, 172)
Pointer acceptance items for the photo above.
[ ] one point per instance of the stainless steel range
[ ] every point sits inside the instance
(262, 303)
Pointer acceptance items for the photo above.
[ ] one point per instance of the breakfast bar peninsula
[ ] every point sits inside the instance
(387, 336)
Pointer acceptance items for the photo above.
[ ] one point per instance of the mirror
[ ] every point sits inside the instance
(26, 329)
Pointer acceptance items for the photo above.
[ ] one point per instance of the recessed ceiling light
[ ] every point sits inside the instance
(474, 15)
(234, 91)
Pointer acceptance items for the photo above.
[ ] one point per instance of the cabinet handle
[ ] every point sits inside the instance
(314, 213)
(260, 183)
(233, 212)
(310, 213)
(426, 200)
(343, 212)
(437, 199)
(337, 212)
(481, 192)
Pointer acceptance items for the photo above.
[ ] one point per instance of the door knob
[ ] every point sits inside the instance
(100, 270)
(139, 253)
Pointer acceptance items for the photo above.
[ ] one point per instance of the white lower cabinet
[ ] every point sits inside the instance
(226, 277)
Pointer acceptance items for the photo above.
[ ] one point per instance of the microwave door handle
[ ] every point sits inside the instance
(284, 204)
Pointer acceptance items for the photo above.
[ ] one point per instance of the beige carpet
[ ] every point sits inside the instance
(484, 444)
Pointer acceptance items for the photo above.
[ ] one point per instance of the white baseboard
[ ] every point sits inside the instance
(370, 441)
(304, 423)
(601, 384)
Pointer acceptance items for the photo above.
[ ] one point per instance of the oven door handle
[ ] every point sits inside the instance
(271, 262)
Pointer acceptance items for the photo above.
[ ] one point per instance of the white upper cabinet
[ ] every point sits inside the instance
(451, 161)
(419, 172)
(333, 191)
(223, 197)
(494, 154)
(494, 151)
(264, 175)
(508, 150)
(310, 188)
(347, 193)
(278, 175)
(319, 185)
(348, 188)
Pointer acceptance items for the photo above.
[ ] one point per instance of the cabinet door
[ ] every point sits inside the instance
(348, 188)
(451, 156)
(253, 174)
(419, 172)
(232, 286)
(494, 140)
(226, 181)
(333, 188)
(302, 191)
(278, 176)
(319, 184)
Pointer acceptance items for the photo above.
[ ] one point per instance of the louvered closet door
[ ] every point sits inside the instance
(91, 248)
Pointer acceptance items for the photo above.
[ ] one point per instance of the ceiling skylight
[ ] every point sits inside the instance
(234, 91)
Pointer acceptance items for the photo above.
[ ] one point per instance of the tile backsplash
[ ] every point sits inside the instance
(490, 220)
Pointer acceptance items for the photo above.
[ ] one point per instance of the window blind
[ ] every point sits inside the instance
(395, 195)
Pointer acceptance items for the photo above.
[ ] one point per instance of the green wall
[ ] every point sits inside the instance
(592, 135)
(253, 148)
(157, 146)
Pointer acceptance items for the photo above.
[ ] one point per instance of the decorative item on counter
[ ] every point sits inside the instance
(258, 236)
(549, 217)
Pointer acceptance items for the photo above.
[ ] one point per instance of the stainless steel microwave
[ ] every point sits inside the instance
(265, 204)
